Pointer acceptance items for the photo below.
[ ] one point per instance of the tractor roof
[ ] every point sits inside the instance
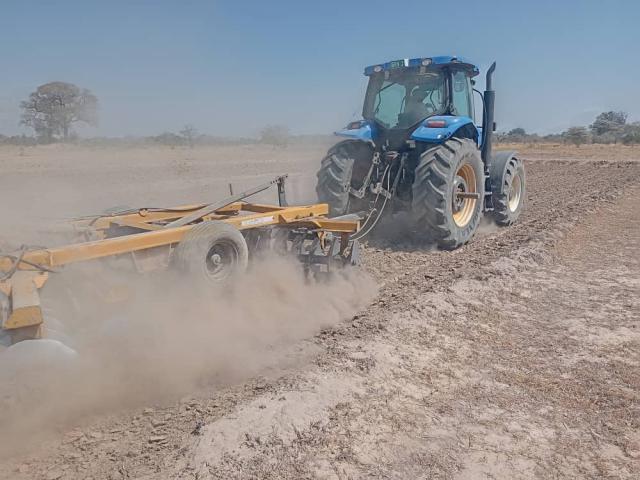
(423, 61)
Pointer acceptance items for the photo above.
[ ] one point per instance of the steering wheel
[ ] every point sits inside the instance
(431, 108)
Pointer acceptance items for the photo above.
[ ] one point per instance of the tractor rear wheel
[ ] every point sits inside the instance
(448, 192)
(215, 252)
(508, 184)
(336, 174)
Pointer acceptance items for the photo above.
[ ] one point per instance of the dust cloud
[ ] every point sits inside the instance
(161, 339)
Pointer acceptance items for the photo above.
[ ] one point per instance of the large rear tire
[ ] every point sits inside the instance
(448, 193)
(508, 185)
(213, 252)
(337, 171)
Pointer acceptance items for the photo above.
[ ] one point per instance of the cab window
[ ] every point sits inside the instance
(404, 97)
(461, 98)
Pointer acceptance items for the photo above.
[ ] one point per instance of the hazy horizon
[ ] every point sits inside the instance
(230, 68)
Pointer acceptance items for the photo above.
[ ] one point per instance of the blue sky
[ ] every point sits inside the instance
(231, 67)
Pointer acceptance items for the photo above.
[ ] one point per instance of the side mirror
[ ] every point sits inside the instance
(482, 107)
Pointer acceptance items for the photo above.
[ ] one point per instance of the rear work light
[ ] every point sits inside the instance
(436, 124)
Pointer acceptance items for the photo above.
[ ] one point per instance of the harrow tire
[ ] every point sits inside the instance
(442, 171)
(214, 252)
(508, 185)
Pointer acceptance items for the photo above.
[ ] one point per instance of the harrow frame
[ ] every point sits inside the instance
(156, 231)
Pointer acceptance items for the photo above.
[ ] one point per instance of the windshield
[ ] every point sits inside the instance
(405, 97)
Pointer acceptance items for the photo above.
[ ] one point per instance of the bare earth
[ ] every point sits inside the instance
(514, 357)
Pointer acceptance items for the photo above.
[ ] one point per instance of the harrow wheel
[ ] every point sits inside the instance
(215, 252)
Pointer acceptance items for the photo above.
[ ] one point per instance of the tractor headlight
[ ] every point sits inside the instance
(377, 69)
(426, 62)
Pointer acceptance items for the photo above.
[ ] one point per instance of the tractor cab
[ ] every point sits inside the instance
(401, 99)
(402, 94)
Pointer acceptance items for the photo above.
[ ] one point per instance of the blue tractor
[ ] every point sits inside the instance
(418, 149)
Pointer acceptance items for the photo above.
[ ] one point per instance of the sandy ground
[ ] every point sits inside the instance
(513, 357)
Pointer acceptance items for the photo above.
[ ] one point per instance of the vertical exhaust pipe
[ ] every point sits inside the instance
(488, 119)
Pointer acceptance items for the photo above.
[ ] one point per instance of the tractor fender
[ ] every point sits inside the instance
(364, 131)
(351, 141)
(452, 124)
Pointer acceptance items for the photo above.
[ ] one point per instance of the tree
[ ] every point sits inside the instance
(517, 132)
(515, 135)
(169, 138)
(609, 122)
(276, 135)
(189, 133)
(54, 107)
(576, 135)
(631, 134)
(553, 138)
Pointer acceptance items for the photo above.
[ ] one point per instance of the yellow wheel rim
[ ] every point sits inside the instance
(515, 194)
(464, 197)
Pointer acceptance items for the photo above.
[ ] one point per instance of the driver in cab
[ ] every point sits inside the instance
(416, 110)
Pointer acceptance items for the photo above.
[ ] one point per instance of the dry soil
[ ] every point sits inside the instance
(514, 357)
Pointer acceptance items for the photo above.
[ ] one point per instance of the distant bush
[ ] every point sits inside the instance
(552, 138)
(607, 128)
(631, 134)
(189, 133)
(276, 135)
(169, 139)
(606, 138)
(517, 135)
(19, 140)
(576, 135)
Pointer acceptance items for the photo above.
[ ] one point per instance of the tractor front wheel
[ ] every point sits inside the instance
(448, 192)
(508, 184)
